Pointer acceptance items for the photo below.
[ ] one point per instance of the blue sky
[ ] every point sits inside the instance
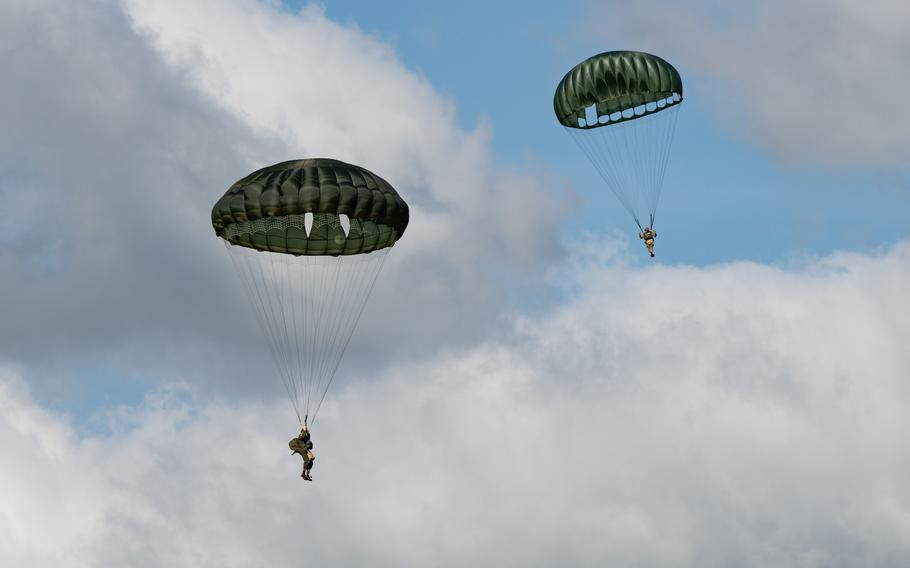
(725, 198)
(738, 401)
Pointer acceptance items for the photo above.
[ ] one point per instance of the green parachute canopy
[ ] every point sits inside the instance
(267, 210)
(621, 107)
(615, 84)
(308, 239)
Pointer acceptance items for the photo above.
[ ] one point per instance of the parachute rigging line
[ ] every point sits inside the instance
(631, 158)
(308, 308)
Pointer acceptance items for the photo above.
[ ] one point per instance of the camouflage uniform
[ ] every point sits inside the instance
(648, 235)
(304, 446)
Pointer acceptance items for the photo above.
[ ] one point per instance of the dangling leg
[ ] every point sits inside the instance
(307, 467)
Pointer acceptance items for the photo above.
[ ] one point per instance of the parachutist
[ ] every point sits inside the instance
(621, 109)
(304, 446)
(308, 262)
(648, 235)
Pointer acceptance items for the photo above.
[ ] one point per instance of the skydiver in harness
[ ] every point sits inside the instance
(304, 446)
(648, 235)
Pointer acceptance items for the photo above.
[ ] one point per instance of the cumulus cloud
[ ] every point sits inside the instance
(812, 82)
(124, 122)
(103, 253)
(738, 415)
(326, 89)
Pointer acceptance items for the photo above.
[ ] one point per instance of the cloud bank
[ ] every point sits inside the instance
(736, 415)
(124, 122)
(812, 82)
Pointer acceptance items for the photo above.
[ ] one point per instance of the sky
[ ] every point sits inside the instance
(526, 387)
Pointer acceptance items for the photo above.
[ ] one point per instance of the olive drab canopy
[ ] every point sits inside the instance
(621, 108)
(266, 210)
(308, 239)
(613, 82)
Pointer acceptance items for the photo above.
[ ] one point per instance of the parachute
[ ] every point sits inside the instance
(308, 239)
(620, 108)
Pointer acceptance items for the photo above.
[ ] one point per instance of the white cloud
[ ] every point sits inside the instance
(739, 415)
(736, 415)
(330, 90)
(124, 122)
(811, 81)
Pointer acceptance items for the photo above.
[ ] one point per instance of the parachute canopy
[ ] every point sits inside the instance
(620, 107)
(308, 239)
(267, 209)
(615, 83)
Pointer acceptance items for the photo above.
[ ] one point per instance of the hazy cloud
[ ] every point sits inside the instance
(738, 415)
(734, 415)
(815, 82)
(124, 122)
